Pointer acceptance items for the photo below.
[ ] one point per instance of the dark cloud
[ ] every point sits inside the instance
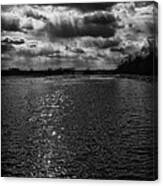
(10, 22)
(90, 24)
(67, 30)
(78, 50)
(60, 22)
(84, 7)
(6, 8)
(99, 18)
(144, 3)
(117, 49)
(63, 29)
(13, 41)
(87, 7)
(96, 30)
(6, 47)
(110, 43)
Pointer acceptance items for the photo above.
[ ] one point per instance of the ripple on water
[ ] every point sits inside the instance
(78, 130)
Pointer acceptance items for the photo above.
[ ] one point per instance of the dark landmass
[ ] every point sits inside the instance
(137, 67)
(49, 72)
(147, 65)
(144, 63)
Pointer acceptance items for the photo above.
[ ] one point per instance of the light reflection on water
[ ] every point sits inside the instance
(48, 115)
(73, 128)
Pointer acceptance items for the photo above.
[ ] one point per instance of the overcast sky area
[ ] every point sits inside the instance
(80, 36)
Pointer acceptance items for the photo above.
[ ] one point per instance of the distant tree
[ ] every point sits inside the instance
(145, 62)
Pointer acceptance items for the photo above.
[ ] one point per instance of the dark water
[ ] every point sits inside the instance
(79, 128)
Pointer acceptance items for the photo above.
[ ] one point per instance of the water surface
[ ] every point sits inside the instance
(85, 127)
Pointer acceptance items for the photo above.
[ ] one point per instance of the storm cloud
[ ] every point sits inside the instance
(89, 24)
(97, 35)
(13, 41)
(10, 22)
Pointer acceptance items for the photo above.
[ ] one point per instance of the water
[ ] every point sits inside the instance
(85, 127)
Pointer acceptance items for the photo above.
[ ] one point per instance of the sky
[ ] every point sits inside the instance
(79, 36)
